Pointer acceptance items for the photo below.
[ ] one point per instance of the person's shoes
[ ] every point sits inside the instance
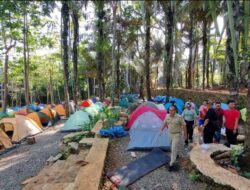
(171, 168)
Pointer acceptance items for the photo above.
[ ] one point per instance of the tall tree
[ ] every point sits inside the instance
(147, 46)
(190, 57)
(204, 50)
(26, 54)
(64, 36)
(114, 54)
(168, 60)
(100, 47)
(75, 18)
(233, 33)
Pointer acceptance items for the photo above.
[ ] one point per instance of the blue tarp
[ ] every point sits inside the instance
(112, 132)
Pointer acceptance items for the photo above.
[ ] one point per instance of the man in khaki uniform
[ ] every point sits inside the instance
(175, 125)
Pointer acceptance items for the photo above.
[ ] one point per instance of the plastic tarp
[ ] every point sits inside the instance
(145, 133)
(76, 121)
(243, 114)
(112, 132)
(142, 109)
(123, 102)
(34, 107)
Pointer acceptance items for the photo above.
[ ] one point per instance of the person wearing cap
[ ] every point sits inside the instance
(191, 103)
(189, 115)
(175, 125)
(209, 123)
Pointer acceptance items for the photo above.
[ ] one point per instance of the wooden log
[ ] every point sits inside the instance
(31, 140)
(214, 154)
(223, 155)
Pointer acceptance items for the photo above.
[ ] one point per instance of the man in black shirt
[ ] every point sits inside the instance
(209, 124)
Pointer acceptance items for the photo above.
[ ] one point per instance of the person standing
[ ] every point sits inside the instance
(191, 103)
(219, 112)
(209, 124)
(231, 117)
(175, 125)
(189, 115)
(202, 113)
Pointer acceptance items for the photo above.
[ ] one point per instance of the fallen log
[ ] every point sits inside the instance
(222, 155)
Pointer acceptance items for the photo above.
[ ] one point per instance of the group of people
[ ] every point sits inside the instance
(210, 120)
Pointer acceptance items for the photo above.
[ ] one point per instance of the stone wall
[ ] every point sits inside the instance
(198, 95)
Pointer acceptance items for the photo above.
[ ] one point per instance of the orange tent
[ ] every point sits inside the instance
(60, 110)
(34, 116)
(23, 111)
(5, 141)
(48, 112)
(19, 127)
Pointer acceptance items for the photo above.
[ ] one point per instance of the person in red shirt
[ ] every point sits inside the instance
(231, 117)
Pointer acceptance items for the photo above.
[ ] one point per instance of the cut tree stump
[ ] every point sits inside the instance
(31, 140)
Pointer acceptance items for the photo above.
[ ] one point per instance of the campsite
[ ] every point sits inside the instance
(124, 95)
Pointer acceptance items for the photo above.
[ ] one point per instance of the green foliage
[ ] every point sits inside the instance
(246, 174)
(194, 175)
(236, 152)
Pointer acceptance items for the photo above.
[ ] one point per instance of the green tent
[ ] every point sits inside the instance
(76, 121)
(92, 110)
(243, 114)
(123, 102)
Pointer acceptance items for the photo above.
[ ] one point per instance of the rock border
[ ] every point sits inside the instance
(202, 160)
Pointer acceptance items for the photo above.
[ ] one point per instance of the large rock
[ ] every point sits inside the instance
(74, 147)
(201, 158)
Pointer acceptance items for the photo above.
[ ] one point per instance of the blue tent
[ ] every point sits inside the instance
(160, 99)
(224, 106)
(179, 108)
(145, 133)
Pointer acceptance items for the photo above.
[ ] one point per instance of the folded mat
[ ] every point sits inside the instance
(131, 172)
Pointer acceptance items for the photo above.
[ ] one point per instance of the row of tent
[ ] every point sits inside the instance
(80, 118)
(24, 124)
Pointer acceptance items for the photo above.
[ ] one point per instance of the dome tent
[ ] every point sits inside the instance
(76, 121)
(142, 109)
(145, 133)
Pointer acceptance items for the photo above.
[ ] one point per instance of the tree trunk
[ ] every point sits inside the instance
(232, 78)
(195, 62)
(114, 56)
(51, 87)
(25, 56)
(168, 61)
(204, 52)
(208, 57)
(141, 87)
(65, 34)
(212, 72)
(5, 92)
(99, 48)
(147, 47)
(75, 54)
(118, 71)
(189, 73)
